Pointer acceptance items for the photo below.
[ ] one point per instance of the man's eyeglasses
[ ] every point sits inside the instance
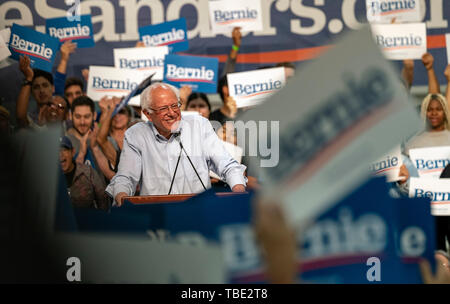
(60, 106)
(164, 110)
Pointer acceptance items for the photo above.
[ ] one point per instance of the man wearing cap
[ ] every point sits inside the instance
(171, 154)
(86, 189)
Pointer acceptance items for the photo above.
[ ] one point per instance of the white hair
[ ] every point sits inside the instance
(146, 95)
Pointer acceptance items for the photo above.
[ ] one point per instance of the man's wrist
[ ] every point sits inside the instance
(26, 82)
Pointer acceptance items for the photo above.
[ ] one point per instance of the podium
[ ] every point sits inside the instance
(173, 198)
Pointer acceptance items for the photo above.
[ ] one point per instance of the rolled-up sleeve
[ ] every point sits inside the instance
(220, 161)
(130, 168)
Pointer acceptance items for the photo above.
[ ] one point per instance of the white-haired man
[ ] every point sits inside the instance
(171, 154)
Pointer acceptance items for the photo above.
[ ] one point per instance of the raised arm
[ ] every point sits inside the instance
(231, 60)
(101, 159)
(433, 84)
(107, 107)
(66, 49)
(447, 91)
(25, 91)
(408, 72)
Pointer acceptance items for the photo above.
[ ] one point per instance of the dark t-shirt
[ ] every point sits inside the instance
(217, 115)
(69, 176)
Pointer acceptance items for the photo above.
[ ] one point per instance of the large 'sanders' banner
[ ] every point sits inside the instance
(292, 30)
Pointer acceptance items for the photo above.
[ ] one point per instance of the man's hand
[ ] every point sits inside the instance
(442, 275)
(83, 139)
(105, 104)
(41, 117)
(428, 60)
(92, 137)
(140, 44)
(447, 73)
(85, 73)
(66, 49)
(403, 173)
(185, 91)
(238, 188)
(237, 36)
(229, 107)
(277, 241)
(119, 198)
(116, 100)
(24, 66)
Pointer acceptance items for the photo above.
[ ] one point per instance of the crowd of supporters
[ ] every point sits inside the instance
(92, 138)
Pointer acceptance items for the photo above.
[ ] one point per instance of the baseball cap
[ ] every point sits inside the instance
(66, 143)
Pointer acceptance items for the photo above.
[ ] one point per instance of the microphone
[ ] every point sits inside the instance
(176, 167)
(190, 161)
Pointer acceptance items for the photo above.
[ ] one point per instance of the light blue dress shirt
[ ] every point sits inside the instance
(149, 159)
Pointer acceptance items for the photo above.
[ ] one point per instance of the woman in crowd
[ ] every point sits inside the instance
(435, 114)
(199, 102)
(112, 129)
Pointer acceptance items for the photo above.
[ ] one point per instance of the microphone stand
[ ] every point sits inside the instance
(176, 168)
(182, 148)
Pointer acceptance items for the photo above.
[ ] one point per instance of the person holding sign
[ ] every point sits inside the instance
(112, 129)
(171, 154)
(229, 109)
(37, 83)
(41, 85)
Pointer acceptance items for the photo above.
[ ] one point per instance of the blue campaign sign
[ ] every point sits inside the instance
(79, 32)
(200, 73)
(368, 237)
(172, 33)
(41, 48)
(414, 231)
(366, 228)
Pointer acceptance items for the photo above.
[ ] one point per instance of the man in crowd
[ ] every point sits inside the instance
(73, 89)
(83, 136)
(37, 83)
(40, 85)
(85, 187)
(171, 154)
(54, 111)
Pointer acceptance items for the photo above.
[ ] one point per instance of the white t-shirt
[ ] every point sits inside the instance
(428, 139)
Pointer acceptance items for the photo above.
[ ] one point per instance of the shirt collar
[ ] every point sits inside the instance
(159, 137)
